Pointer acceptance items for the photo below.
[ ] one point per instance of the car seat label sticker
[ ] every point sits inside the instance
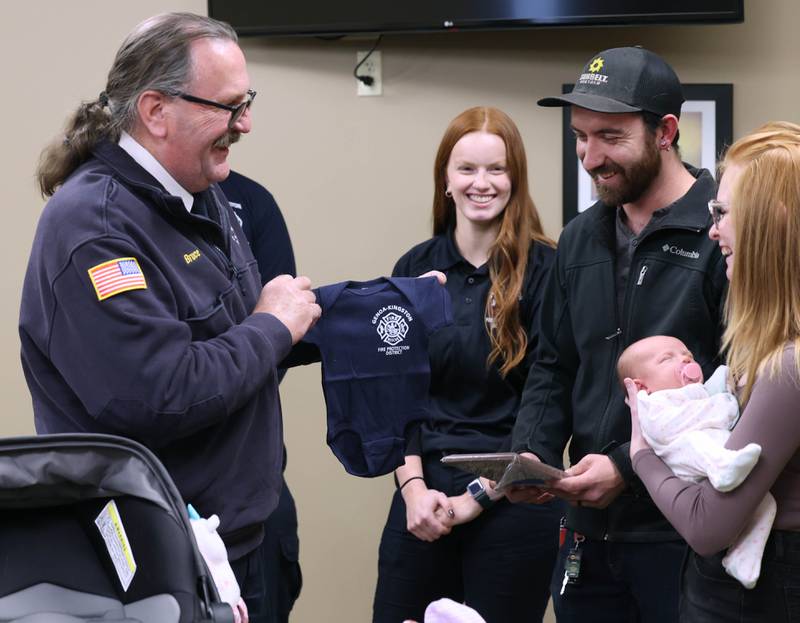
(117, 544)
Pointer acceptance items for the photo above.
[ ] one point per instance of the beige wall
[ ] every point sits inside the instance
(353, 178)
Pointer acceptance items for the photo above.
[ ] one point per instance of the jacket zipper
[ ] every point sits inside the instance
(620, 340)
(641, 275)
(615, 334)
(225, 259)
(628, 303)
(227, 255)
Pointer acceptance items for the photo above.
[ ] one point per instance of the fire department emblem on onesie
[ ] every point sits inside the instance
(392, 324)
(392, 328)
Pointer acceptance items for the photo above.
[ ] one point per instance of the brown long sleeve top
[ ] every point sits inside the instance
(710, 520)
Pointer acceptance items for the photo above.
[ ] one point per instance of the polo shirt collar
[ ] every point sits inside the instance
(445, 254)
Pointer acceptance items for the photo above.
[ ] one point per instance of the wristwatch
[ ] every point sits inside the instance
(478, 493)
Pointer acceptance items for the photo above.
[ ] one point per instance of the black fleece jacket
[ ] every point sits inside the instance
(676, 287)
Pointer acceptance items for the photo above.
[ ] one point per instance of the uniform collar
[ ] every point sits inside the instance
(137, 179)
(148, 162)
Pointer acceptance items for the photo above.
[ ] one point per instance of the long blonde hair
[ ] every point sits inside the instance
(763, 307)
(520, 225)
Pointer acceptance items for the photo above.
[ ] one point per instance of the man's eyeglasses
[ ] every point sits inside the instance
(236, 111)
(717, 209)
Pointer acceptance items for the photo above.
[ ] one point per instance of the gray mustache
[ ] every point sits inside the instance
(228, 139)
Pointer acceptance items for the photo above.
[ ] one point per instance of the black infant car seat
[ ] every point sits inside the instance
(92, 528)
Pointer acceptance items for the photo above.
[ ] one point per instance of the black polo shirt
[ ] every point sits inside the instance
(473, 407)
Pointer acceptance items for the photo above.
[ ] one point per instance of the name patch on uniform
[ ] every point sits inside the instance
(191, 257)
(115, 276)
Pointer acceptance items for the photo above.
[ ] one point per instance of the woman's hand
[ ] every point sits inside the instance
(638, 442)
(464, 506)
(429, 513)
(440, 276)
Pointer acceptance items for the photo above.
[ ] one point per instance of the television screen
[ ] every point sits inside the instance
(341, 17)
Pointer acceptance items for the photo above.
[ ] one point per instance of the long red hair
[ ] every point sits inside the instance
(520, 226)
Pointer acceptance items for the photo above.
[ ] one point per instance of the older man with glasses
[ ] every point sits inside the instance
(142, 312)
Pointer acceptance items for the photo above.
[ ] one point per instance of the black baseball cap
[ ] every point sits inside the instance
(623, 80)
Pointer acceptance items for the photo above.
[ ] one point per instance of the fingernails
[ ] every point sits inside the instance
(451, 512)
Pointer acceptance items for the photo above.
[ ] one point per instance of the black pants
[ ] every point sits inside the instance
(711, 595)
(500, 564)
(269, 576)
(620, 582)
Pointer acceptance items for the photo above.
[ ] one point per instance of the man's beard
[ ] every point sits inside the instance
(635, 180)
(227, 139)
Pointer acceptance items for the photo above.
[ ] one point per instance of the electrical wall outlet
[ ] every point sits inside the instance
(371, 68)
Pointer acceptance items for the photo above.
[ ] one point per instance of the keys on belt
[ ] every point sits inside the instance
(572, 566)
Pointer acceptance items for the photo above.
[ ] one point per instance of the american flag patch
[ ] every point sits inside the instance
(115, 276)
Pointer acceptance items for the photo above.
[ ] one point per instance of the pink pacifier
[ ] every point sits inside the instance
(692, 373)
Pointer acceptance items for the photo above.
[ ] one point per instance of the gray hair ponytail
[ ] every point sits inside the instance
(154, 56)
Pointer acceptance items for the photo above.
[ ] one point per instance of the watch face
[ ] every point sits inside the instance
(475, 487)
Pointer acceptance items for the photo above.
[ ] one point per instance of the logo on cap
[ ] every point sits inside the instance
(596, 65)
(592, 75)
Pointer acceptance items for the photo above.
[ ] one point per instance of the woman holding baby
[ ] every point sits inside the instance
(757, 225)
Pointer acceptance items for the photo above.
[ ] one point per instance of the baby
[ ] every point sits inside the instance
(687, 424)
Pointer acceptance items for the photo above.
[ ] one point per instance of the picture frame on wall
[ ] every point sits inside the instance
(706, 129)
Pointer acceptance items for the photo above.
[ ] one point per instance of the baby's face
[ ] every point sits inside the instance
(663, 364)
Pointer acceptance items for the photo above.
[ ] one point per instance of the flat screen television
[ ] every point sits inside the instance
(343, 17)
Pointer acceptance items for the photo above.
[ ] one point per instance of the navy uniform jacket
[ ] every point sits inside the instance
(180, 364)
(262, 222)
(265, 229)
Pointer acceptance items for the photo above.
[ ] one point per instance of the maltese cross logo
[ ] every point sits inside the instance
(596, 65)
(392, 328)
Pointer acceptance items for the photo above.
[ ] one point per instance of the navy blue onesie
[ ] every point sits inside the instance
(373, 339)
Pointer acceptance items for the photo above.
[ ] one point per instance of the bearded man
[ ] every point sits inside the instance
(637, 263)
